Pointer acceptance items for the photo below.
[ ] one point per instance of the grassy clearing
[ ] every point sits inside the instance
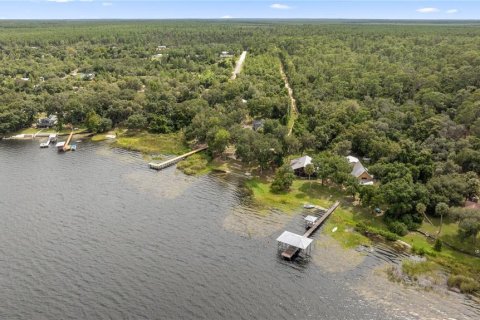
(449, 234)
(27, 131)
(156, 145)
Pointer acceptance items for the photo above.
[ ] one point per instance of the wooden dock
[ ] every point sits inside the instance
(67, 146)
(171, 162)
(291, 251)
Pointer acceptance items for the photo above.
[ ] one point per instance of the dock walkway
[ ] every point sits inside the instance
(171, 162)
(291, 251)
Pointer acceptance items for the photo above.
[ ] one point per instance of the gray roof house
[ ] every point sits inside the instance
(298, 165)
(361, 173)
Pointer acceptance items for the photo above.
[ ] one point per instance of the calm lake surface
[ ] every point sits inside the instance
(95, 234)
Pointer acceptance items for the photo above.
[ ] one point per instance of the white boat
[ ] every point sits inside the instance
(60, 145)
(44, 144)
(308, 206)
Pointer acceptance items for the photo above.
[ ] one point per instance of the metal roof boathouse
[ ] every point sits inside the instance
(293, 242)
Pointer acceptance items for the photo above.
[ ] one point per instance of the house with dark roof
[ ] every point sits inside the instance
(298, 165)
(47, 122)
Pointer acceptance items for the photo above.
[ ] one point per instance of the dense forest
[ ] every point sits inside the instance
(406, 97)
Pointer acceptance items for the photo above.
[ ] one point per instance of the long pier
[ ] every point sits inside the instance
(171, 162)
(291, 251)
(67, 146)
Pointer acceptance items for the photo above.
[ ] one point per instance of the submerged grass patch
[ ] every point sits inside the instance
(196, 164)
(414, 269)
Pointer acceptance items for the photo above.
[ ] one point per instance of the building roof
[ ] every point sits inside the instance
(358, 169)
(352, 159)
(366, 183)
(310, 219)
(257, 124)
(60, 144)
(300, 162)
(295, 240)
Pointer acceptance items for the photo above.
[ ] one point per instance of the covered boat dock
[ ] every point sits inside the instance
(293, 243)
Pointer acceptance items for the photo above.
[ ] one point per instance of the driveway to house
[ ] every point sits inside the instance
(238, 67)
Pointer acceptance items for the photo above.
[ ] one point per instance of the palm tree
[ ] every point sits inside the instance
(309, 170)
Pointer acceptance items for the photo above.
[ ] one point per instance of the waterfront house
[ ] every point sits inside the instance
(361, 173)
(47, 122)
(298, 165)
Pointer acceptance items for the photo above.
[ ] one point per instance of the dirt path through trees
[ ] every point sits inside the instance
(239, 65)
(293, 111)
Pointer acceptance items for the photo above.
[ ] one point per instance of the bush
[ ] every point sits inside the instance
(465, 284)
(422, 251)
(438, 245)
(283, 179)
(413, 269)
(364, 229)
(398, 227)
(419, 250)
(411, 222)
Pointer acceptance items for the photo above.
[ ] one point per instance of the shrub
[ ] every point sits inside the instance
(411, 222)
(283, 179)
(419, 250)
(465, 284)
(363, 228)
(398, 227)
(438, 245)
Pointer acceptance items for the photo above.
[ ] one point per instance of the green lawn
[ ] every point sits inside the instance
(302, 191)
(153, 144)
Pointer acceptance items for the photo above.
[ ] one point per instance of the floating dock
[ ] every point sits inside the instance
(290, 252)
(171, 162)
(51, 138)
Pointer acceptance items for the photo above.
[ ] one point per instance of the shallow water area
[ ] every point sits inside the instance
(95, 234)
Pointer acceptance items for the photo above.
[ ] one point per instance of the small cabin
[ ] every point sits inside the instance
(226, 54)
(298, 165)
(359, 171)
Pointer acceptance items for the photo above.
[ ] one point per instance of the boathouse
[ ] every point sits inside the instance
(293, 242)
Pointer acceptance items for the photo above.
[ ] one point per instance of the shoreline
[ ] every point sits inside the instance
(346, 219)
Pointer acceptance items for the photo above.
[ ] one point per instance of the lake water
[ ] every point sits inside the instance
(95, 234)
